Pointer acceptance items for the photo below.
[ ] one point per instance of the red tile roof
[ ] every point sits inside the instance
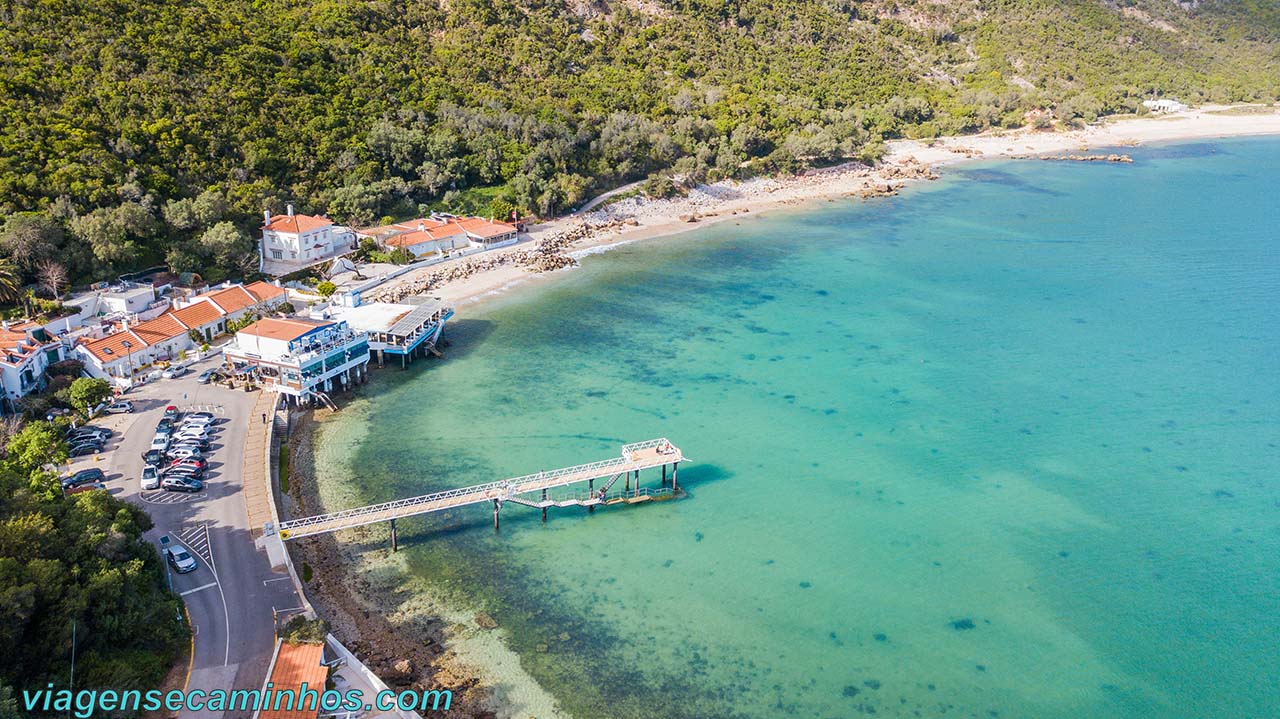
(264, 291)
(296, 223)
(278, 329)
(232, 299)
(297, 664)
(162, 328)
(427, 234)
(112, 346)
(483, 228)
(197, 315)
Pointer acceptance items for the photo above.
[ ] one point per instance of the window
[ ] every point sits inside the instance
(277, 254)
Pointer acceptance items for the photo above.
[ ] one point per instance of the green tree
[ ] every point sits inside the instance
(88, 392)
(37, 444)
(10, 282)
(326, 288)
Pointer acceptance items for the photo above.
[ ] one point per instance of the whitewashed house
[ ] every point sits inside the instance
(291, 242)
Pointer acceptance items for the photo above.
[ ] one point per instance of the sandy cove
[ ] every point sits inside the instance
(465, 280)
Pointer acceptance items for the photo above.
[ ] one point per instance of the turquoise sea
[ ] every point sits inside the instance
(1003, 446)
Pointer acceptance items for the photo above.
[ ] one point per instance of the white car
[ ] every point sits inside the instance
(174, 371)
(185, 453)
(196, 423)
(160, 442)
(150, 478)
(124, 407)
(193, 432)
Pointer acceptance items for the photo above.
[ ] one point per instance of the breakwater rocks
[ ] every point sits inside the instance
(1088, 158)
(549, 254)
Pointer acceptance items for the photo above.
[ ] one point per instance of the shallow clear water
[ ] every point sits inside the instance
(1003, 446)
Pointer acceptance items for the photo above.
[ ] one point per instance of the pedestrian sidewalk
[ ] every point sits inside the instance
(257, 446)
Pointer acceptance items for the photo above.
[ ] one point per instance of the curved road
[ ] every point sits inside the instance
(234, 596)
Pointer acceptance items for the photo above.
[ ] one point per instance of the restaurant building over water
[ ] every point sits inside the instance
(302, 359)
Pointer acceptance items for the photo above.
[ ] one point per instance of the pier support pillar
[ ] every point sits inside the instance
(544, 509)
(591, 490)
(382, 359)
(664, 475)
(675, 468)
(626, 487)
(497, 505)
(394, 543)
(403, 365)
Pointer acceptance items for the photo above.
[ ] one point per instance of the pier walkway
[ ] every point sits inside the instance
(635, 457)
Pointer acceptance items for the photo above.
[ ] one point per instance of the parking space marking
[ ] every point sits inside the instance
(277, 579)
(163, 497)
(197, 589)
(197, 540)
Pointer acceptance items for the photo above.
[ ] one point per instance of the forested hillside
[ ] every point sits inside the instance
(133, 133)
(75, 567)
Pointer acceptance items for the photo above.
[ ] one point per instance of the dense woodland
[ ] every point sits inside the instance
(81, 561)
(134, 134)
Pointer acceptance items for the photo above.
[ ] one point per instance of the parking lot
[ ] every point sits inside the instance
(233, 594)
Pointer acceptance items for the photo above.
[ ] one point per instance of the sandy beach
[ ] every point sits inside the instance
(907, 161)
(424, 643)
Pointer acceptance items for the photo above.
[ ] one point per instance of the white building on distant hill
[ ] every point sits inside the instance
(291, 242)
(1163, 105)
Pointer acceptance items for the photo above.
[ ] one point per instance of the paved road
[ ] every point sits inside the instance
(232, 597)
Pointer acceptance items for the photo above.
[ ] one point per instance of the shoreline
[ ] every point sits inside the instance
(450, 649)
(905, 162)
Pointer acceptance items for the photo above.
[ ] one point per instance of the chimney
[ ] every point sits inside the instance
(421, 227)
(6, 325)
(124, 325)
(266, 217)
(288, 209)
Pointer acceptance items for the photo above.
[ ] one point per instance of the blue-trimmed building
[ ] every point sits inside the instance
(301, 358)
(405, 329)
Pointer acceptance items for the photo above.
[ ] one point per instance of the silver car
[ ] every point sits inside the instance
(181, 560)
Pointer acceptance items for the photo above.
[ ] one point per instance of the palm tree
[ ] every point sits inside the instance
(10, 282)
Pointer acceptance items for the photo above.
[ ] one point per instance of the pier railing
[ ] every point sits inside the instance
(634, 457)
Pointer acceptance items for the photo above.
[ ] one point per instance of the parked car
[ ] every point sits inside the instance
(197, 422)
(153, 457)
(195, 463)
(150, 477)
(174, 371)
(181, 559)
(181, 483)
(195, 442)
(207, 376)
(84, 448)
(171, 412)
(160, 442)
(186, 470)
(84, 476)
(89, 431)
(123, 407)
(184, 451)
(89, 487)
(191, 433)
(202, 415)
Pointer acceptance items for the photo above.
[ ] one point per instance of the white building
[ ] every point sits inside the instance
(292, 242)
(1164, 105)
(26, 350)
(134, 347)
(442, 234)
(300, 358)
